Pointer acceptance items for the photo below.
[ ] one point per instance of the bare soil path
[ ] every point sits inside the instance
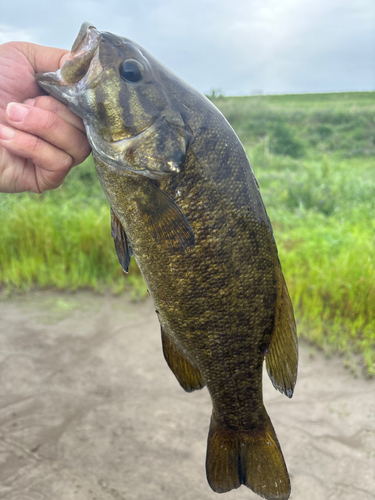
(89, 410)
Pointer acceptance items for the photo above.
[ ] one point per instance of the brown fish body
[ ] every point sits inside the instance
(187, 206)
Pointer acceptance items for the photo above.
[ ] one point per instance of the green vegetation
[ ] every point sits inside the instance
(62, 239)
(313, 156)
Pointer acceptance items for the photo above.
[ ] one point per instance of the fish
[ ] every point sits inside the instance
(185, 203)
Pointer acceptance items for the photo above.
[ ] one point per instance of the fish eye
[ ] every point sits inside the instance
(131, 71)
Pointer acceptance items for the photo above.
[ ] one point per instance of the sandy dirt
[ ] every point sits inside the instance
(89, 410)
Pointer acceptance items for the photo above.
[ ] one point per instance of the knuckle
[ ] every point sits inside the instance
(67, 162)
(37, 145)
(42, 154)
(82, 149)
(47, 103)
(52, 123)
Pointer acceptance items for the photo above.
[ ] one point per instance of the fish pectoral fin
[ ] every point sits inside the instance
(123, 250)
(165, 219)
(187, 375)
(250, 457)
(282, 356)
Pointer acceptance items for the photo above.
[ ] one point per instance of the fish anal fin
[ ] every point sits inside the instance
(282, 356)
(123, 250)
(249, 457)
(187, 374)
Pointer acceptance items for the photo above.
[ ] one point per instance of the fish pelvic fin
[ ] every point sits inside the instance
(251, 457)
(123, 250)
(188, 376)
(282, 356)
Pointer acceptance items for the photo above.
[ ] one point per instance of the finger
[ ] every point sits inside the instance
(40, 152)
(48, 128)
(58, 108)
(42, 58)
(47, 179)
(18, 175)
(64, 58)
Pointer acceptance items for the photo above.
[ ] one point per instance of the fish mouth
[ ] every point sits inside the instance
(85, 39)
(78, 67)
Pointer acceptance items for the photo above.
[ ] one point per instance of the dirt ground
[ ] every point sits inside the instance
(89, 410)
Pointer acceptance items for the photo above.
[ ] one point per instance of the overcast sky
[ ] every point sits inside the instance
(237, 46)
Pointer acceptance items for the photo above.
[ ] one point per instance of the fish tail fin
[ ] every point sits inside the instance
(251, 457)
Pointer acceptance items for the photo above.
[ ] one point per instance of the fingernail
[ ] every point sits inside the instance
(17, 112)
(64, 58)
(6, 133)
(30, 102)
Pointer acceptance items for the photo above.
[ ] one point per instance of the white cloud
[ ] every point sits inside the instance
(237, 45)
(11, 33)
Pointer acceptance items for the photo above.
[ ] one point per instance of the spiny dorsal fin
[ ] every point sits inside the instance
(188, 375)
(282, 356)
(123, 250)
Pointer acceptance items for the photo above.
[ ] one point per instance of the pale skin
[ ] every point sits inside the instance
(40, 138)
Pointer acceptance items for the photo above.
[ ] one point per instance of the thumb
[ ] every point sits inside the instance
(64, 58)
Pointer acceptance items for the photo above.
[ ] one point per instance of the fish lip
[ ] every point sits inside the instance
(86, 39)
(82, 37)
(85, 46)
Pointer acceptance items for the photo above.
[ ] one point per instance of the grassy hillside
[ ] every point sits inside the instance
(313, 156)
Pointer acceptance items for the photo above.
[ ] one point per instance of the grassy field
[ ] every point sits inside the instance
(314, 158)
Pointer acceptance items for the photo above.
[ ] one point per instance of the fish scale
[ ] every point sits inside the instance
(186, 204)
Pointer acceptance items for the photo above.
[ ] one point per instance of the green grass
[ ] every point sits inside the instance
(313, 156)
(62, 239)
(305, 125)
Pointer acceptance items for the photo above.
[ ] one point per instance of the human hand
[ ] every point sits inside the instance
(41, 139)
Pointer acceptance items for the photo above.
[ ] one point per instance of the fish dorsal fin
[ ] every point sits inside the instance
(164, 218)
(123, 250)
(282, 356)
(188, 375)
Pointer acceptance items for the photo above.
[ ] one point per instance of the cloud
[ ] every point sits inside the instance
(238, 46)
(11, 33)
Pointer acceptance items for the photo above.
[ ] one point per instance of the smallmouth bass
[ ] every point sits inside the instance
(185, 202)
